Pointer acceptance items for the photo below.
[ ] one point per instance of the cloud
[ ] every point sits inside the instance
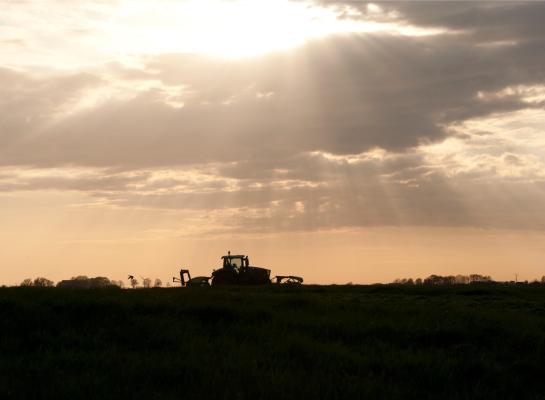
(343, 95)
(30, 104)
(347, 130)
(484, 21)
(58, 180)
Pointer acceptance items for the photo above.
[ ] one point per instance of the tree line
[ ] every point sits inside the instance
(460, 280)
(99, 282)
(84, 282)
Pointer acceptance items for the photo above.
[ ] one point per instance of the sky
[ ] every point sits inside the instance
(343, 141)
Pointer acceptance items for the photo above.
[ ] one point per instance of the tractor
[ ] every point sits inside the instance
(236, 270)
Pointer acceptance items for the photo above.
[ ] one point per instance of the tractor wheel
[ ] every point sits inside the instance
(224, 278)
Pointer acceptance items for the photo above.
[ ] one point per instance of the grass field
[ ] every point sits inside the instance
(313, 342)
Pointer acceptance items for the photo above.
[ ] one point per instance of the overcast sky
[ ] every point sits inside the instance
(339, 140)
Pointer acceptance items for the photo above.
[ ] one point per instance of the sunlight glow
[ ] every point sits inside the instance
(222, 28)
(231, 29)
(496, 146)
(124, 31)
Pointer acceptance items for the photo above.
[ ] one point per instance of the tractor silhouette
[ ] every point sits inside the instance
(236, 270)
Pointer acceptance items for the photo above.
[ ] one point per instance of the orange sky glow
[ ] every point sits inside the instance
(337, 140)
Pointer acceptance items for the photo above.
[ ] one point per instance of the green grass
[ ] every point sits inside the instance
(336, 342)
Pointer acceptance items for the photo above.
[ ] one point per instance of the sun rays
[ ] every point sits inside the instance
(231, 29)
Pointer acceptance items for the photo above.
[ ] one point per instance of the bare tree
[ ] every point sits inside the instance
(158, 283)
(146, 282)
(43, 282)
(133, 281)
(27, 282)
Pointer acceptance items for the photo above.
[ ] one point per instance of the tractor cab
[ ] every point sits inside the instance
(236, 262)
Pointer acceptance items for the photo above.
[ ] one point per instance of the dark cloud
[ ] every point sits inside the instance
(342, 95)
(485, 21)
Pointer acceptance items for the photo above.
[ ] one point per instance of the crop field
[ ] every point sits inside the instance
(311, 342)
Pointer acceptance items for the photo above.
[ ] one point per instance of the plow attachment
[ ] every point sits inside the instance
(185, 279)
(288, 280)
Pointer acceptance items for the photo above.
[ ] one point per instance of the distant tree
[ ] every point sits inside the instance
(543, 279)
(133, 281)
(77, 282)
(42, 282)
(461, 279)
(100, 282)
(167, 284)
(83, 282)
(476, 278)
(439, 280)
(158, 283)
(432, 280)
(27, 282)
(450, 280)
(146, 282)
(418, 281)
(74, 284)
(404, 281)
